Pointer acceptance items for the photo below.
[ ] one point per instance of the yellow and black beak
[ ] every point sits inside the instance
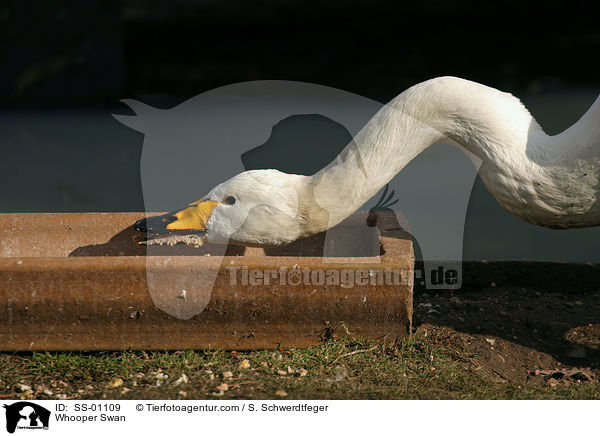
(195, 216)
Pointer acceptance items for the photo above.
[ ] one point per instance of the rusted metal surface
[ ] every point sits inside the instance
(79, 282)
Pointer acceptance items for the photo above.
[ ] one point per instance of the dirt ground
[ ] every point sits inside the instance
(516, 334)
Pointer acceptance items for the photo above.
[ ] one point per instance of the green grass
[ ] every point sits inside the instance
(415, 368)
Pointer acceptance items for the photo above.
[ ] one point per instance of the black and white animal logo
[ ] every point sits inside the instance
(26, 415)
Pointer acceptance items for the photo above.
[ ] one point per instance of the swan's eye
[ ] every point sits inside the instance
(229, 200)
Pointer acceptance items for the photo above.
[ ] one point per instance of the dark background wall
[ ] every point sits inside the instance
(65, 64)
(73, 52)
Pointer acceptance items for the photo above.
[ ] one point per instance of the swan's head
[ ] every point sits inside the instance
(258, 207)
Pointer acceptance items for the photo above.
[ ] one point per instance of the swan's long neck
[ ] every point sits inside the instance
(493, 126)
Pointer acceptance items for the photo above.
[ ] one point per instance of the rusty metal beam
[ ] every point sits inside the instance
(78, 282)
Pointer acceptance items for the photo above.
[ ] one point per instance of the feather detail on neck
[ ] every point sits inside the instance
(549, 181)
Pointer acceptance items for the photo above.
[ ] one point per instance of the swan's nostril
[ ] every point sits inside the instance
(154, 224)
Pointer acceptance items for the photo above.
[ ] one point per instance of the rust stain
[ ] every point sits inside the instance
(77, 281)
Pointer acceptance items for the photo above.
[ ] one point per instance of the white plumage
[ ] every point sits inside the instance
(552, 181)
